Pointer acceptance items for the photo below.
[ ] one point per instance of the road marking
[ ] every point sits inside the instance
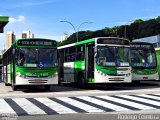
(116, 103)
(5, 108)
(82, 99)
(143, 101)
(42, 106)
(68, 105)
(15, 107)
(81, 105)
(28, 106)
(127, 102)
(146, 97)
(56, 106)
(104, 104)
(150, 96)
(157, 95)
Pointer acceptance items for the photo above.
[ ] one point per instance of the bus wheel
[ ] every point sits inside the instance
(6, 84)
(136, 82)
(47, 87)
(14, 87)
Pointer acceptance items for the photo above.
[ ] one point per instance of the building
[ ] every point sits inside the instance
(27, 34)
(155, 40)
(10, 38)
(64, 37)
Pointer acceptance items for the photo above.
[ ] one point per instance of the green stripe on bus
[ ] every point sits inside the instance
(85, 41)
(145, 71)
(35, 71)
(107, 70)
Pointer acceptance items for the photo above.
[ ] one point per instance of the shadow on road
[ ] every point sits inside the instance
(74, 88)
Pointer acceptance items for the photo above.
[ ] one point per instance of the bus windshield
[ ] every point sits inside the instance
(32, 57)
(113, 56)
(143, 57)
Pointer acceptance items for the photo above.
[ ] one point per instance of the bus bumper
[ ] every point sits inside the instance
(36, 80)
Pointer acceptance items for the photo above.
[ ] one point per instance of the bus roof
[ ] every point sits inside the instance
(86, 41)
(77, 43)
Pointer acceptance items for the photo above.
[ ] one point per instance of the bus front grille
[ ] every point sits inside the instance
(116, 79)
(116, 74)
(36, 76)
(37, 81)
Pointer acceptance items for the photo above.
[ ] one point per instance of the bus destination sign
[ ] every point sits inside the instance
(112, 41)
(36, 43)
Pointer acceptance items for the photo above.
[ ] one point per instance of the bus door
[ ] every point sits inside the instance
(60, 64)
(90, 62)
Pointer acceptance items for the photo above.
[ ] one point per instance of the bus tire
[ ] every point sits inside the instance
(109, 86)
(136, 82)
(47, 87)
(14, 87)
(6, 84)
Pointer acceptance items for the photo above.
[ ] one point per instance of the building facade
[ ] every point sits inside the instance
(27, 34)
(10, 38)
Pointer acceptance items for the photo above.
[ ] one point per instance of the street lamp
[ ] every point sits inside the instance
(80, 26)
(125, 29)
(76, 31)
(72, 26)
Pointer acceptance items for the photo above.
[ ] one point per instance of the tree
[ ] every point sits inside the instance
(135, 30)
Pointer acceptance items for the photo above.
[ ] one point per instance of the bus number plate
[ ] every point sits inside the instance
(116, 78)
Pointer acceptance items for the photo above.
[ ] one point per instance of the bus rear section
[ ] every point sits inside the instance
(143, 61)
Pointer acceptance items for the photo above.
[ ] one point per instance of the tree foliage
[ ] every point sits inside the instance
(135, 30)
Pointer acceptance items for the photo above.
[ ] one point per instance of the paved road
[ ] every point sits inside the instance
(62, 91)
(71, 103)
(134, 115)
(79, 104)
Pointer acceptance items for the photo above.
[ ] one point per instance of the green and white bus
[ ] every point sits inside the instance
(158, 60)
(143, 61)
(96, 60)
(31, 61)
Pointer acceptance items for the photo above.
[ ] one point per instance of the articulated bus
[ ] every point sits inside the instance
(158, 60)
(143, 62)
(96, 60)
(31, 61)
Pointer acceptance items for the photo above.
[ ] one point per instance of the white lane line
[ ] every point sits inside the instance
(55, 106)
(149, 96)
(81, 105)
(140, 99)
(126, 102)
(29, 107)
(5, 108)
(104, 104)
